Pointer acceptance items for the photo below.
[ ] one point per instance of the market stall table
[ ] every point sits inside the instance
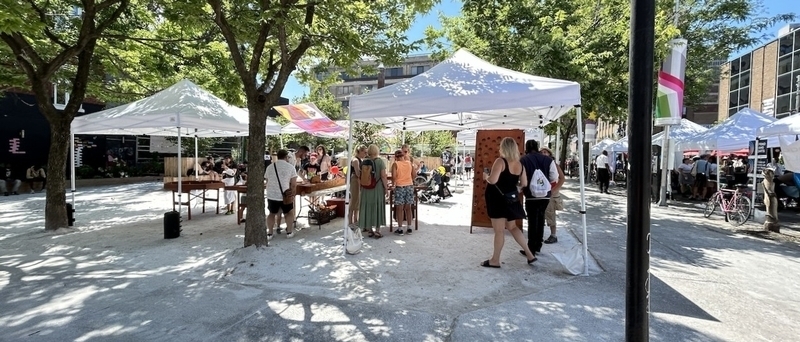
(202, 187)
(315, 192)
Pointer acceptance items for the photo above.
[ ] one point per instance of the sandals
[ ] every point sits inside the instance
(530, 261)
(376, 235)
(487, 264)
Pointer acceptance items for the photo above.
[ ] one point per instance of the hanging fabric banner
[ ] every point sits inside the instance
(309, 118)
(669, 102)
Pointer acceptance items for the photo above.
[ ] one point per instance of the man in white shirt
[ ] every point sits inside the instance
(280, 176)
(603, 171)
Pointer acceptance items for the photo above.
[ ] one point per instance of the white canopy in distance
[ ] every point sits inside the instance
(789, 125)
(466, 92)
(183, 104)
(602, 146)
(679, 132)
(466, 138)
(733, 134)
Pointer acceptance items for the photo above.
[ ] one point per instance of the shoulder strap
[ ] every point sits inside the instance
(278, 178)
(505, 162)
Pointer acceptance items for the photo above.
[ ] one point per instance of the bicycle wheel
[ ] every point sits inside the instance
(711, 206)
(740, 212)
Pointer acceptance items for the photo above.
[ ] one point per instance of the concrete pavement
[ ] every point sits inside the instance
(125, 283)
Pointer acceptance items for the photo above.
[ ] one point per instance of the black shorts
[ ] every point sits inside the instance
(700, 180)
(468, 168)
(275, 206)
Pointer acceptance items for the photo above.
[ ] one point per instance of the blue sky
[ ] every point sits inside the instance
(453, 7)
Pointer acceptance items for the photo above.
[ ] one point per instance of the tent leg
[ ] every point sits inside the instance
(662, 199)
(72, 166)
(349, 174)
(197, 164)
(180, 179)
(755, 179)
(583, 192)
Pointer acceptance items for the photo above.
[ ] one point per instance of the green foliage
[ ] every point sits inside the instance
(433, 143)
(588, 41)
(365, 133)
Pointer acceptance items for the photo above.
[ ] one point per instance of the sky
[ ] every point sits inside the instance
(453, 8)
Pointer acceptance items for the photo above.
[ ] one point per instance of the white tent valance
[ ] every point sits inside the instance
(733, 134)
(292, 128)
(789, 125)
(466, 92)
(679, 132)
(184, 104)
(467, 138)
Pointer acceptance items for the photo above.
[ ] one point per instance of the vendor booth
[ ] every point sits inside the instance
(466, 92)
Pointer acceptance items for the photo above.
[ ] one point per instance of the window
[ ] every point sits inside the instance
(784, 84)
(783, 104)
(344, 76)
(797, 40)
(744, 96)
(394, 72)
(784, 64)
(796, 64)
(785, 46)
(345, 90)
(735, 65)
(745, 63)
(732, 111)
(345, 104)
(416, 70)
(744, 79)
(733, 99)
(366, 89)
(734, 82)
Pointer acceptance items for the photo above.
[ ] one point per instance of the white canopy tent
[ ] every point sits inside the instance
(677, 133)
(466, 92)
(466, 138)
(789, 125)
(733, 134)
(292, 128)
(601, 146)
(619, 146)
(183, 109)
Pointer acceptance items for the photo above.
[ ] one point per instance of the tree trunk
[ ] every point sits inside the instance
(255, 230)
(565, 138)
(55, 214)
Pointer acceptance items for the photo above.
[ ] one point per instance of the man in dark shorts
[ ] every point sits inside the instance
(280, 176)
(700, 171)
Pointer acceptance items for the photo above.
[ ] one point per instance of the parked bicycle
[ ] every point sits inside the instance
(735, 205)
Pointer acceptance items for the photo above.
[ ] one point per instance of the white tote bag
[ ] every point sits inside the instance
(353, 240)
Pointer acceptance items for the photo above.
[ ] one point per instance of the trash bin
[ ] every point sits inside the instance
(172, 225)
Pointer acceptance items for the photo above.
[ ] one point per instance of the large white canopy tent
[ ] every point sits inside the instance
(787, 129)
(183, 109)
(677, 133)
(733, 134)
(466, 92)
(601, 146)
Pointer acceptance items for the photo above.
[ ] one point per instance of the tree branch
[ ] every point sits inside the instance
(21, 49)
(233, 46)
(123, 5)
(47, 31)
(271, 70)
(263, 33)
(159, 40)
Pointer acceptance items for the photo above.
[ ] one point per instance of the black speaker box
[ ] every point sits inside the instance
(172, 225)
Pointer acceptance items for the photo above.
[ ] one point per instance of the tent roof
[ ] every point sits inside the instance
(602, 145)
(620, 145)
(467, 138)
(789, 125)
(183, 104)
(465, 92)
(733, 134)
(679, 132)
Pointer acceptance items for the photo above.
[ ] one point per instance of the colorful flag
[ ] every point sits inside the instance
(669, 102)
(309, 118)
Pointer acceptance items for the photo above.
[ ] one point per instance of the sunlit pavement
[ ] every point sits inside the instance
(116, 278)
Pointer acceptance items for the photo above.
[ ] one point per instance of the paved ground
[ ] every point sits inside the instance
(120, 281)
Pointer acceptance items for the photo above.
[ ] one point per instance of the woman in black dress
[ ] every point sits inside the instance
(507, 172)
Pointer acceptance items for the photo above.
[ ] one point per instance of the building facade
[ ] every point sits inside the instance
(355, 85)
(765, 79)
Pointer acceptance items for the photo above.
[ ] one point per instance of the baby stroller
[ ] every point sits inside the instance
(437, 187)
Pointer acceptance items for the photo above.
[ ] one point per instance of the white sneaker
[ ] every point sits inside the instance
(289, 235)
(269, 237)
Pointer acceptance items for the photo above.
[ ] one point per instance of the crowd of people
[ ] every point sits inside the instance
(11, 183)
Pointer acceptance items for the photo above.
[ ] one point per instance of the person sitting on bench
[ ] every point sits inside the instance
(7, 178)
(36, 174)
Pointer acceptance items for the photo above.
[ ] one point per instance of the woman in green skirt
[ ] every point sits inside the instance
(372, 209)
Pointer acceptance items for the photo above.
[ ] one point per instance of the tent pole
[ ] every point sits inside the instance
(662, 199)
(583, 192)
(72, 166)
(180, 179)
(755, 177)
(349, 175)
(196, 164)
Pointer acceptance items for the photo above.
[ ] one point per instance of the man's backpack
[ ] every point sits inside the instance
(368, 180)
(539, 184)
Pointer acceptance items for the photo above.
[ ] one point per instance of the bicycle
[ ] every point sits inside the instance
(736, 208)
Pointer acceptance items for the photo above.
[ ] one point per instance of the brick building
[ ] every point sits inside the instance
(765, 79)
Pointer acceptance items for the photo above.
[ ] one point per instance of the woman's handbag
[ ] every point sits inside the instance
(511, 197)
(288, 195)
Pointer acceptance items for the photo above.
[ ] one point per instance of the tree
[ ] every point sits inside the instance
(50, 42)
(266, 41)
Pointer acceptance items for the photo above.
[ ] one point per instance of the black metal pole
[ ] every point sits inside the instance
(640, 120)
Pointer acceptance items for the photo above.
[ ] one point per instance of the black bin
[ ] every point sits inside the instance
(172, 225)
